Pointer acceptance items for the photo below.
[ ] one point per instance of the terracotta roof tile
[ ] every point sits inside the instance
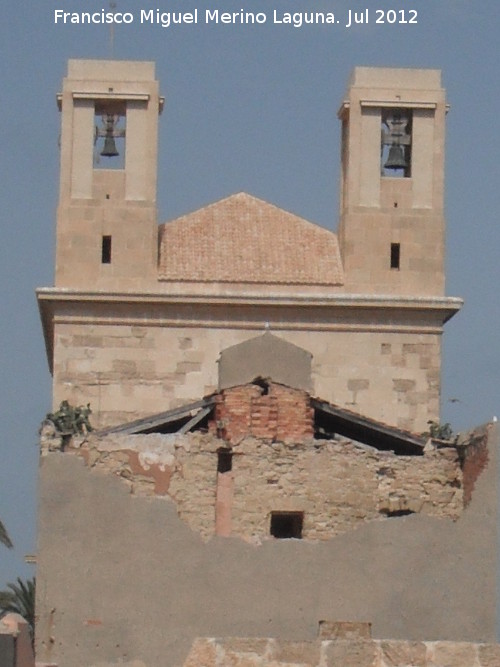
(244, 239)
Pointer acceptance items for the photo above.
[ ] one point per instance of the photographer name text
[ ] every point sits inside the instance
(166, 19)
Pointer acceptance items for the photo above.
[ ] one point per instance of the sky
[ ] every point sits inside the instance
(249, 108)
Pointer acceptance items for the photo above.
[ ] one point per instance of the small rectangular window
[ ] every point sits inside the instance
(287, 525)
(395, 255)
(224, 460)
(106, 250)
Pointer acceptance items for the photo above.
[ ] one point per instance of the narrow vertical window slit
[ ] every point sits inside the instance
(106, 250)
(395, 255)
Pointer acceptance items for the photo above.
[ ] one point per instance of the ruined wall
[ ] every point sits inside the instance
(273, 464)
(122, 577)
(131, 371)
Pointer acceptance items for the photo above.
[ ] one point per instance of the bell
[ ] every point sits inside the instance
(396, 158)
(109, 148)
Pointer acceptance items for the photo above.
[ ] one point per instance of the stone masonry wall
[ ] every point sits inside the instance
(128, 371)
(346, 652)
(275, 466)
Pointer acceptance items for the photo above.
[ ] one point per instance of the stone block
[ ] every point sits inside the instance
(188, 367)
(246, 645)
(398, 361)
(489, 655)
(403, 653)
(361, 653)
(344, 630)
(453, 654)
(202, 654)
(124, 366)
(185, 343)
(87, 341)
(306, 652)
(233, 659)
(403, 385)
(358, 384)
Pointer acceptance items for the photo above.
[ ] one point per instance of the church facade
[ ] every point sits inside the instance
(140, 312)
(257, 490)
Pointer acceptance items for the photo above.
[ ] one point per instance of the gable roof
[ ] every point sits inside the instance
(329, 420)
(242, 239)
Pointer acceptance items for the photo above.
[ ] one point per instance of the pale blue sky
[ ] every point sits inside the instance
(247, 108)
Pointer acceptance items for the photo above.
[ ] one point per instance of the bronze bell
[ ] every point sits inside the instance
(109, 148)
(396, 158)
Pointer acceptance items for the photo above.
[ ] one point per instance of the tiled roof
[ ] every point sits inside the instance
(246, 240)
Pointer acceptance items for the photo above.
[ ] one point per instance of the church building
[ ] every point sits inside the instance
(257, 489)
(140, 312)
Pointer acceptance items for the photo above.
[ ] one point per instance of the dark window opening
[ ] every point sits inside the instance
(224, 460)
(395, 255)
(287, 525)
(106, 250)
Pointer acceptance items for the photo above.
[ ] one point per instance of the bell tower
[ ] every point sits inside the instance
(392, 190)
(107, 218)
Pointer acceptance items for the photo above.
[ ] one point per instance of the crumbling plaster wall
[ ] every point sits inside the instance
(122, 577)
(338, 485)
(131, 371)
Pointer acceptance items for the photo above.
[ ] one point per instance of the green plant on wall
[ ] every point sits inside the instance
(69, 420)
(439, 431)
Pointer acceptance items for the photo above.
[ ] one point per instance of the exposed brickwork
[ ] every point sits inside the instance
(269, 411)
(348, 653)
(475, 459)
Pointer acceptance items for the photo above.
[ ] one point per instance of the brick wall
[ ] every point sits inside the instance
(474, 452)
(264, 410)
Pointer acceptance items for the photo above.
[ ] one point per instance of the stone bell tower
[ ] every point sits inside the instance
(107, 219)
(391, 209)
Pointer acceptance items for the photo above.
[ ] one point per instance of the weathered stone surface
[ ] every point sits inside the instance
(356, 653)
(340, 652)
(203, 653)
(248, 645)
(344, 630)
(307, 653)
(489, 655)
(232, 659)
(276, 466)
(106, 364)
(402, 653)
(453, 654)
